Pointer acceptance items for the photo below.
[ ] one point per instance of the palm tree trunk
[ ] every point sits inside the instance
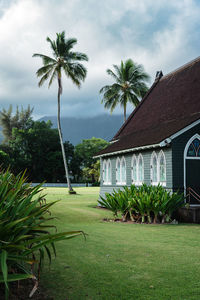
(124, 113)
(61, 139)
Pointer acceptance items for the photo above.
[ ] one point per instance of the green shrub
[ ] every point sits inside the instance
(24, 229)
(144, 203)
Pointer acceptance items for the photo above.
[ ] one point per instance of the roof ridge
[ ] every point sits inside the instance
(136, 109)
(186, 65)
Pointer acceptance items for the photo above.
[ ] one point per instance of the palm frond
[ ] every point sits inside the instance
(43, 70)
(70, 43)
(53, 77)
(45, 77)
(45, 59)
(130, 85)
(76, 56)
(65, 60)
(53, 46)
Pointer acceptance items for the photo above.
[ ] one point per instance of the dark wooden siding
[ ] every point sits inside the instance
(178, 146)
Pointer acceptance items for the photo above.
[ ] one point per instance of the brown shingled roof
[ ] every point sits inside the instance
(171, 104)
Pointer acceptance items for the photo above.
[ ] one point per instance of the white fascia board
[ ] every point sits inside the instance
(114, 141)
(173, 136)
(131, 149)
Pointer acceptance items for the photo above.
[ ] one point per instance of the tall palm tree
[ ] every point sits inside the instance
(129, 86)
(67, 61)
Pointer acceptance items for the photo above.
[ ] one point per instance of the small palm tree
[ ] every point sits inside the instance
(129, 86)
(67, 61)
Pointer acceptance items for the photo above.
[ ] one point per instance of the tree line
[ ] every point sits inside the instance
(34, 146)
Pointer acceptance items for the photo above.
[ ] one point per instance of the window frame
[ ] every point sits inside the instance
(109, 163)
(163, 183)
(104, 171)
(158, 156)
(106, 164)
(118, 179)
(140, 182)
(134, 158)
(154, 155)
(120, 162)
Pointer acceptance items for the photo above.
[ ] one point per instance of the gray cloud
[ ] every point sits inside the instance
(159, 34)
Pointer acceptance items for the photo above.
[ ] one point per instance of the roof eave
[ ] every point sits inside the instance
(162, 144)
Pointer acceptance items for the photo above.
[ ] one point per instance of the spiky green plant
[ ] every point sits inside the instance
(109, 201)
(145, 203)
(25, 234)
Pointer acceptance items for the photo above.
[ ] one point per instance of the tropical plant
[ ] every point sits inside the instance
(145, 203)
(129, 86)
(110, 203)
(25, 234)
(67, 61)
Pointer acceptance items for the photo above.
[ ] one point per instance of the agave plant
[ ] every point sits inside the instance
(24, 233)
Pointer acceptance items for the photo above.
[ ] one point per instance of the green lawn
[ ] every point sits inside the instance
(119, 260)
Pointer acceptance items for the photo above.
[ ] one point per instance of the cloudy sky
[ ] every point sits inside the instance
(160, 34)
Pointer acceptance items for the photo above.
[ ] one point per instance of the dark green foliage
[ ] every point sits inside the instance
(25, 231)
(145, 203)
(4, 159)
(37, 149)
(88, 148)
(84, 153)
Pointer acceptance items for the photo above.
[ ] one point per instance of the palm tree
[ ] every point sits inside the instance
(129, 86)
(67, 61)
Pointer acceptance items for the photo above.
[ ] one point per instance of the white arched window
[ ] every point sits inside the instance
(134, 169)
(162, 168)
(154, 169)
(104, 171)
(107, 172)
(109, 179)
(140, 169)
(118, 171)
(123, 171)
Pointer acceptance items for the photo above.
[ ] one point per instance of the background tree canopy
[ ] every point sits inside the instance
(35, 146)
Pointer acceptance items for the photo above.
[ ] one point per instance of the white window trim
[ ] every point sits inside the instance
(151, 167)
(188, 157)
(105, 176)
(120, 182)
(137, 158)
(122, 160)
(134, 158)
(140, 182)
(163, 183)
(109, 182)
(116, 172)
(161, 153)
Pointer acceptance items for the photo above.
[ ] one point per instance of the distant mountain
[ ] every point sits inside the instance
(76, 129)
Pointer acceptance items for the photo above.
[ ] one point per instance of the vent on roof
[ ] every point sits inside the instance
(159, 74)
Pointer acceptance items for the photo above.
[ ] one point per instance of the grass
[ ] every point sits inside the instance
(119, 260)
